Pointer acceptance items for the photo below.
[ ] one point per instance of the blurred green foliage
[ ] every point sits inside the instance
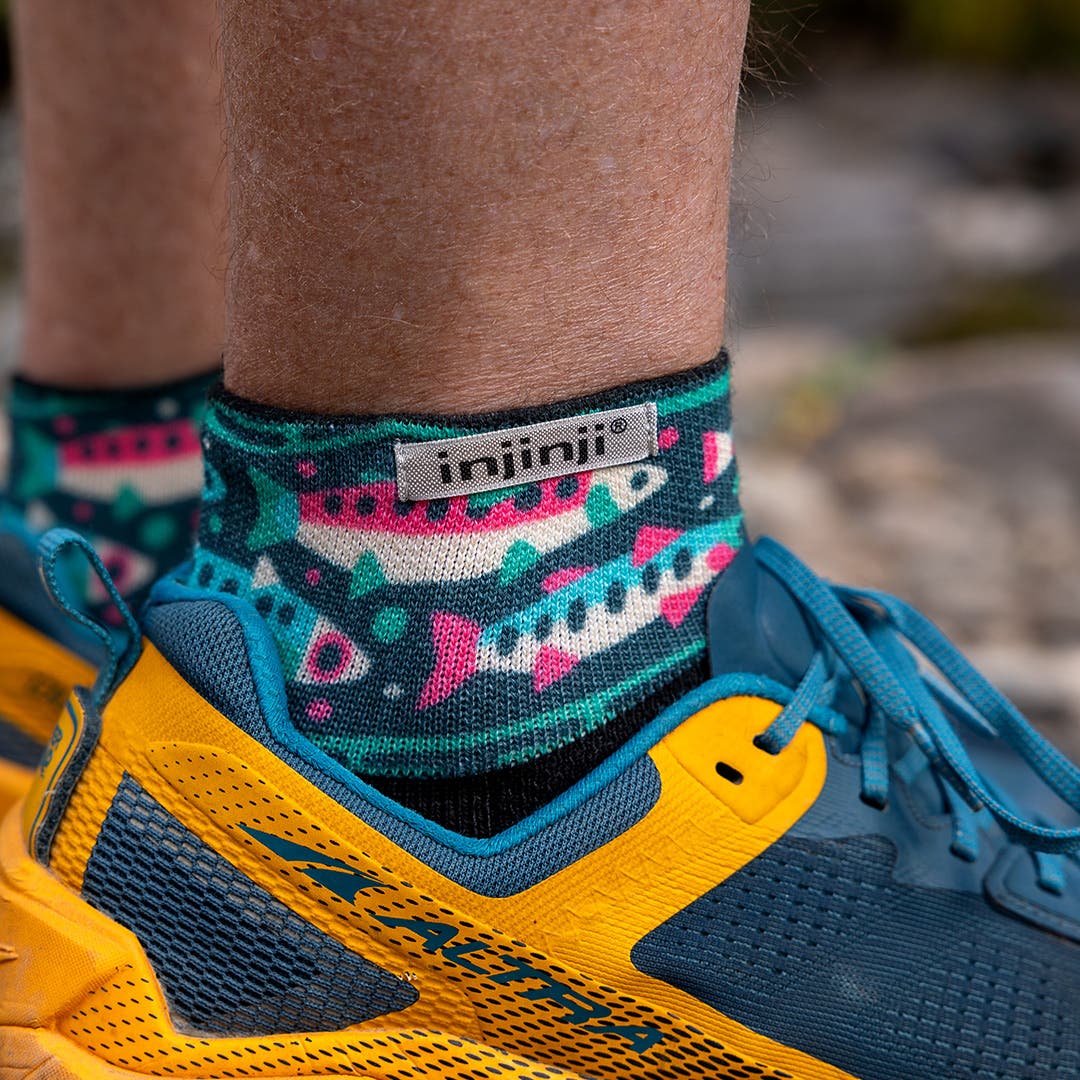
(995, 309)
(1012, 33)
(1019, 35)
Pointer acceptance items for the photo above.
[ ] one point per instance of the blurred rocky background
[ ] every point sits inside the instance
(905, 313)
(905, 316)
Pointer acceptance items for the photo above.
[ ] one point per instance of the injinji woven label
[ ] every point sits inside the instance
(506, 458)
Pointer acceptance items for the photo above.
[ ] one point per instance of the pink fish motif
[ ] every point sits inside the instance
(315, 652)
(718, 454)
(161, 462)
(330, 657)
(345, 526)
(375, 508)
(586, 616)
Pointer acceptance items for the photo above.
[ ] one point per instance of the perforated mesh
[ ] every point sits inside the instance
(119, 1023)
(815, 944)
(231, 959)
(483, 984)
(85, 811)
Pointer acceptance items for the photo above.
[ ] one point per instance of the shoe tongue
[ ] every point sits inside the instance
(755, 626)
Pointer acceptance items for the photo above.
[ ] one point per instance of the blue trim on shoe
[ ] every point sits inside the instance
(121, 647)
(270, 689)
(23, 595)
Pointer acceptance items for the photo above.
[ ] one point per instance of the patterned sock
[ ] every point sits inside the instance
(120, 466)
(472, 655)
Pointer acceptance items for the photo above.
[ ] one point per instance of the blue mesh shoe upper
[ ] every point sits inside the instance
(817, 944)
(911, 924)
(921, 921)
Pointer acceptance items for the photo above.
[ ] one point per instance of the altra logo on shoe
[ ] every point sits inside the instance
(519, 455)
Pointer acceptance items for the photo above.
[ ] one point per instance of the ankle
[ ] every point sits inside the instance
(535, 615)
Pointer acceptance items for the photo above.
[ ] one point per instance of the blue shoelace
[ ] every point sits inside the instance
(863, 639)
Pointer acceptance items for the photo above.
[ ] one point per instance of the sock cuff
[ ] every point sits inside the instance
(30, 400)
(274, 432)
(534, 614)
(123, 467)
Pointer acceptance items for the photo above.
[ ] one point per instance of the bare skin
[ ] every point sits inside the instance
(446, 207)
(124, 190)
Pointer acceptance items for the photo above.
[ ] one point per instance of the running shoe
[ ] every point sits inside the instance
(796, 871)
(42, 656)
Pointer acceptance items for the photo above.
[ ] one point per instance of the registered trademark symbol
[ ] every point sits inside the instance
(618, 426)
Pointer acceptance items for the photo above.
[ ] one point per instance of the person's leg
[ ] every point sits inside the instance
(123, 261)
(122, 154)
(446, 208)
(687, 908)
(459, 207)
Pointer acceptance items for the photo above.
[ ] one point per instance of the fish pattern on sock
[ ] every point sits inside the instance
(456, 637)
(122, 467)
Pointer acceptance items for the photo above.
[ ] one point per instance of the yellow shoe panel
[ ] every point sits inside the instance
(553, 983)
(14, 780)
(83, 818)
(65, 968)
(36, 676)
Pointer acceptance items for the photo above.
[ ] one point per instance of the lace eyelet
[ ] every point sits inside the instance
(760, 745)
(729, 773)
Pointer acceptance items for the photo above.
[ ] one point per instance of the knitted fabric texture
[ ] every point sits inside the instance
(453, 637)
(122, 467)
